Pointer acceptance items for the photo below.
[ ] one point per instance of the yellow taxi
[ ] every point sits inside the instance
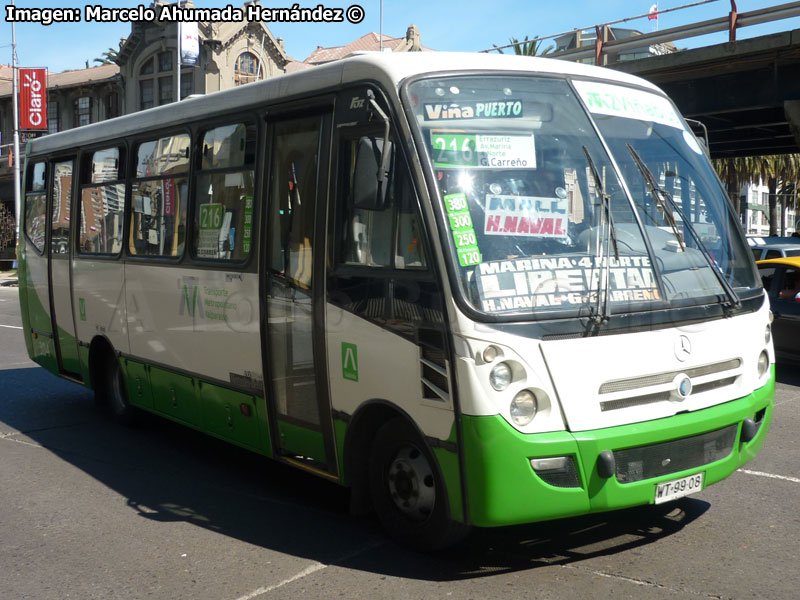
(781, 280)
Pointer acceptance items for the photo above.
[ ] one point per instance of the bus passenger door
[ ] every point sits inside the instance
(59, 268)
(292, 290)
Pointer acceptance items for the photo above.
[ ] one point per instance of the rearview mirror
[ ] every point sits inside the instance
(370, 181)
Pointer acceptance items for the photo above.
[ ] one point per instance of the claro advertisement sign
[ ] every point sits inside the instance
(32, 99)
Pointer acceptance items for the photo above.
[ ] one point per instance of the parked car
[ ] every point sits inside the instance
(781, 280)
(774, 247)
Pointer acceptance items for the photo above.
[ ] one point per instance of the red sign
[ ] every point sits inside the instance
(169, 197)
(33, 98)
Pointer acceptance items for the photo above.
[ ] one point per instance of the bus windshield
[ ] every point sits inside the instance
(542, 217)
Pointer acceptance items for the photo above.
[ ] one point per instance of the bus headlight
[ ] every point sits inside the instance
(767, 334)
(500, 376)
(523, 408)
(763, 363)
(491, 353)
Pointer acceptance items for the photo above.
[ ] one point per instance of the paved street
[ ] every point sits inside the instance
(90, 509)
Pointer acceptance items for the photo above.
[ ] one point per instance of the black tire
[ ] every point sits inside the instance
(407, 489)
(110, 392)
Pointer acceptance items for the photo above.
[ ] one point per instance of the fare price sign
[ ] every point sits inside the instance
(462, 229)
(476, 151)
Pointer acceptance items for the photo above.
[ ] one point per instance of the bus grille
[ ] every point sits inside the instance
(662, 396)
(621, 385)
(645, 462)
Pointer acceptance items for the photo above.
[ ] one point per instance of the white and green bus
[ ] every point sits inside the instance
(477, 290)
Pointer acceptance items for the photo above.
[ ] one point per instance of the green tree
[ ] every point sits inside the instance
(109, 57)
(527, 47)
(780, 173)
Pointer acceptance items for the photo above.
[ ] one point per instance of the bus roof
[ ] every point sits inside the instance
(389, 69)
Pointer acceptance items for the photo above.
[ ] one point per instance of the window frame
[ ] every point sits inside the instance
(53, 117)
(241, 77)
(52, 161)
(132, 161)
(85, 161)
(339, 207)
(44, 193)
(78, 111)
(196, 171)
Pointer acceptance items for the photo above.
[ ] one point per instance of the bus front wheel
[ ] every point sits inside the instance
(407, 489)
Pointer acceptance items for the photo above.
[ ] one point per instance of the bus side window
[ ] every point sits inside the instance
(366, 234)
(62, 201)
(387, 233)
(159, 195)
(409, 250)
(102, 203)
(36, 205)
(223, 191)
(292, 197)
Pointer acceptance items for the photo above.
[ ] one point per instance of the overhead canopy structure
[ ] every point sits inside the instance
(747, 92)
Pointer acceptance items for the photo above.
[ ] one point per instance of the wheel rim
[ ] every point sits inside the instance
(411, 482)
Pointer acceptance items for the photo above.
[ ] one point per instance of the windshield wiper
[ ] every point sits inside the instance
(661, 196)
(610, 239)
(669, 207)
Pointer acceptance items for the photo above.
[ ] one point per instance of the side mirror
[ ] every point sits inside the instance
(371, 180)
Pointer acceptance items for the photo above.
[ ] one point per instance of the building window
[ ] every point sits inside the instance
(146, 94)
(53, 124)
(165, 63)
(82, 111)
(153, 88)
(246, 69)
(147, 68)
(187, 85)
(165, 92)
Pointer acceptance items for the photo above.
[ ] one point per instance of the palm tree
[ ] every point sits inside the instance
(109, 57)
(527, 47)
(733, 171)
(780, 172)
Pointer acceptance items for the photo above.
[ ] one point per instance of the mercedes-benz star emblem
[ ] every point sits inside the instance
(683, 348)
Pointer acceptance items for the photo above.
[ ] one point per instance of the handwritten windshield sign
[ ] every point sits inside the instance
(507, 286)
(526, 216)
(619, 101)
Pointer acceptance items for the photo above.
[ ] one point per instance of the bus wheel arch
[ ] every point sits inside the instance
(108, 380)
(361, 431)
(391, 460)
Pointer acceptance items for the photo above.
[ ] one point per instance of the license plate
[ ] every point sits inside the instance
(677, 488)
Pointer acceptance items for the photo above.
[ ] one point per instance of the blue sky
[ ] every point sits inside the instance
(467, 25)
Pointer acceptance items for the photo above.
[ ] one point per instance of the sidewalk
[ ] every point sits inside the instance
(8, 278)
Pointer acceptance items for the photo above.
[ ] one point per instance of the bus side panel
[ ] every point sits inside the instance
(367, 362)
(99, 299)
(234, 416)
(137, 377)
(200, 323)
(35, 305)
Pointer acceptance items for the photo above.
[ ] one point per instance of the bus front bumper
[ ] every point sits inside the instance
(503, 488)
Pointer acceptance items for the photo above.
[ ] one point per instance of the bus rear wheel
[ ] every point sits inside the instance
(110, 391)
(407, 490)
